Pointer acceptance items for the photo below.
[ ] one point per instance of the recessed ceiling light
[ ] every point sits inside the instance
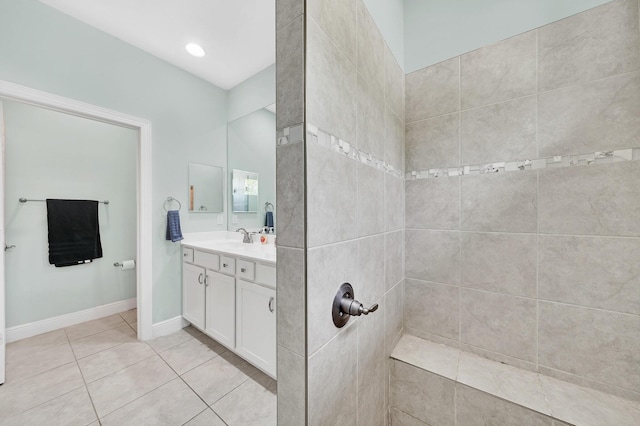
(195, 50)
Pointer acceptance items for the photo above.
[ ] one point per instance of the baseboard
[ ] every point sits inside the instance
(169, 326)
(23, 331)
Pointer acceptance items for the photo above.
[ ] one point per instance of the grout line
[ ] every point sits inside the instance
(517, 233)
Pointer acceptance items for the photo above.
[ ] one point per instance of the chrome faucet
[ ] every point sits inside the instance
(247, 237)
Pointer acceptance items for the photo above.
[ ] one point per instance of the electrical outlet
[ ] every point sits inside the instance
(220, 219)
(234, 219)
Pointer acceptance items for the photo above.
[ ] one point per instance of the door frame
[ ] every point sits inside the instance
(144, 237)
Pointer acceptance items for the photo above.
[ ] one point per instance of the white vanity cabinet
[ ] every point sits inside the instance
(233, 300)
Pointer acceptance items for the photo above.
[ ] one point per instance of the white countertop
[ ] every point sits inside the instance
(231, 243)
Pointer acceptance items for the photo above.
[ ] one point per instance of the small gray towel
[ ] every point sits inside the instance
(174, 233)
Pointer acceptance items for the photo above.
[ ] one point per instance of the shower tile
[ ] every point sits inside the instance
(370, 49)
(582, 406)
(433, 203)
(370, 117)
(172, 403)
(287, 11)
(598, 116)
(432, 307)
(393, 205)
(290, 177)
(337, 18)
(595, 344)
(291, 290)
(332, 82)
(290, 73)
(432, 91)
(505, 70)
(371, 263)
(394, 92)
(476, 408)
(427, 355)
(291, 387)
(425, 396)
(591, 200)
(433, 256)
(371, 367)
(433, 143)
(503, 202)
(328, 267)
(502, 263)
(370, 192)
(598, 272)
(332, 182)
(400, 418)
(393, 258)
(332, 399)
(371, 397)
(504, 132)
(393, 310)
(503, 381)
(597, 43)
(394, 140)
(499, 323)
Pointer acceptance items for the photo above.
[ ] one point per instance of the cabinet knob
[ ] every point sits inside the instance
(243, 269)
(271, 300)
(206, 280)
(224, 265)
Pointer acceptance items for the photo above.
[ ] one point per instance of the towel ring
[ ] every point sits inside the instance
(169, 200)
(266, 207)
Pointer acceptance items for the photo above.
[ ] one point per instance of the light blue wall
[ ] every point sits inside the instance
(47, 50)
(50, 154)
(256, 92)
(389, 17)
(436, 30)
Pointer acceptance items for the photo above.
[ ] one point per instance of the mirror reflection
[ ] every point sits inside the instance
(205, 188)
(251, 150)
(245, 192)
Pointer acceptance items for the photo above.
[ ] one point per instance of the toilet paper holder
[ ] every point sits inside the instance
(125, 264)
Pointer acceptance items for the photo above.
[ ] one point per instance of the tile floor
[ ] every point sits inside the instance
(97, 373)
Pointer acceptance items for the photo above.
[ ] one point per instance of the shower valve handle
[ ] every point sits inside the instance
(345, 306)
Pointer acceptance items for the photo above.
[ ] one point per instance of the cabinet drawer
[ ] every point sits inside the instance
(266, 275)
(245, 269)
(208, 260)
(227, 265)
(187, 254)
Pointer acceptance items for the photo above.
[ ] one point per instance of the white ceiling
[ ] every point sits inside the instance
(238, 35)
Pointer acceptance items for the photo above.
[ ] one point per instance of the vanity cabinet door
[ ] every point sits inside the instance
(193, 294)
(221, 307)
(256, 325)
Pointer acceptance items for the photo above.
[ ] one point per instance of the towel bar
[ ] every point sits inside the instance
(24, 200)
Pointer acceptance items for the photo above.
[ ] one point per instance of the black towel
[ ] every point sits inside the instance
(74, 233)
(268, 220)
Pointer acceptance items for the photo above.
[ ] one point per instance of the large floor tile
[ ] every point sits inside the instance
(70, 409)
(36, 343)
(130, 316)
(214, 379)
(20, 396)
(187, 355)
(163, 343)
(206, 418)
(172, 404)
(118, 389)
(252, 403)
(88, 328)
(109, 361)
(103, 340)
(22, 365)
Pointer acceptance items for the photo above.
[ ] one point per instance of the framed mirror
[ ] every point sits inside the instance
(206, 188)
(244, 191)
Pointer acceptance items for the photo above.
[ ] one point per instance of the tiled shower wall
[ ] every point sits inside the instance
(536, 268)
(341, 210)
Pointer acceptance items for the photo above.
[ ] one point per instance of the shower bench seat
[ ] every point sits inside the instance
(433, 384)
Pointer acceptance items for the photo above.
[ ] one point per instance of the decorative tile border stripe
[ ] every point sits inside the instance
(290, 135)
(559, 161)
(334, 143)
